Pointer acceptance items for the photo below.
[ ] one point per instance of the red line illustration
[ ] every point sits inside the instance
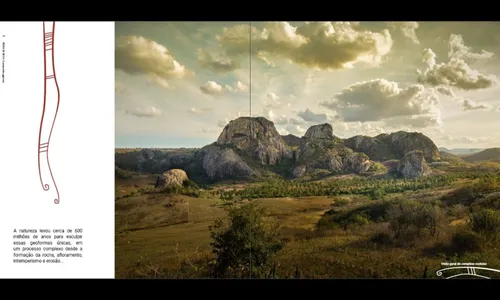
(51, 99)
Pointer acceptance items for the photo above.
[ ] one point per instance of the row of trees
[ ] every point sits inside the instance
(376, 188)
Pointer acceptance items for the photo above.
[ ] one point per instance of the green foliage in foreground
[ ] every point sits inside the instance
(244, 243)
(372, 187)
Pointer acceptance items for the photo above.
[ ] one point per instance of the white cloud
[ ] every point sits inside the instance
(458, 49)
(138, 55)
(212, 88)
(199, 111)
(238, 87)
(217, 62)
(407, 29)
(447, 91)
(209, 130)
(309, 116)
(471, 105)
(322, 45)
(382, 100)
(456, 72)
(145, 112)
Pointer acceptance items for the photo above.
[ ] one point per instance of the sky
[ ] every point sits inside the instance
(179, 83)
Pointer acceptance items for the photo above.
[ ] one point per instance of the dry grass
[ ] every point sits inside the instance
(155, 239)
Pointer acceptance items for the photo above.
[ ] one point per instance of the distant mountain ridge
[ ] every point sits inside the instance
(487, 154)
(461, 151)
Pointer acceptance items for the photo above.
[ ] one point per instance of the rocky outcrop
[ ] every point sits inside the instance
(292, 140)
(257, 138)
(373, 147)
(324, 154)
(252, 147)
(321, 131)
(413, 165)
(402, 142)
(172, 178)
(219, 163)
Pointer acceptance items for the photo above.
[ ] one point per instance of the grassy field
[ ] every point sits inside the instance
(162, 235)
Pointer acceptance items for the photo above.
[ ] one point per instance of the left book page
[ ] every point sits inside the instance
(57, 149)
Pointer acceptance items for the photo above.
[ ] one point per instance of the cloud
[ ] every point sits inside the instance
(360, 128)
(216, 62)
(294, 121)
(447, 91)
(471, 105)
(466, 139)
(272, 100)
(199, 111)
(294, 129)
(407, 29)
(149, 112)
(498, 108)
(417, 122)
(212, 88)
(382, 100)
(222, 123)
(320, 45)
(138, 55)
(456, 72)
(238, 87)
(278, 120)
(458, 49)
(209, 130)
(309, 116)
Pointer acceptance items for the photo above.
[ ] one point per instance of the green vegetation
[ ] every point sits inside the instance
(340, 227)
(376, 188)
(245, 244)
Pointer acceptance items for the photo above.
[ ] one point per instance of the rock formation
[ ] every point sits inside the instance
(172, 178)
(257, 138)
(413, 165)
(373, 147)
(321, 131)
(402, 142)
(221, 163)
(252, 147)
(324, 151)
(292, 140)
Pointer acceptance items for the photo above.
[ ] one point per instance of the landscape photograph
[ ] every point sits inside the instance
(311, 150)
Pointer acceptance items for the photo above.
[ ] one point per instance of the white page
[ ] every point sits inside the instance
(81, 151)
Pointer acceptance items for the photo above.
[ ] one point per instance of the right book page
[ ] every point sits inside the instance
(307, 150)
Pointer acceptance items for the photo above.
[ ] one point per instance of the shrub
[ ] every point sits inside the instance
(245, 243)
(377, 194)
(190, 184)
(465, 241)
(458, 211)
(341, 202)
(411, 219)
(122, 174)
(485, 222)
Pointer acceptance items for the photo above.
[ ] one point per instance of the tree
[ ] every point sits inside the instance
(245, 243)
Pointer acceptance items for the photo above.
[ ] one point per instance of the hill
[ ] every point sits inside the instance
(460, 151)
(251, 149)
(488, 154)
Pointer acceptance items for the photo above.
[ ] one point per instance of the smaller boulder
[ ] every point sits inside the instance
(171, 178)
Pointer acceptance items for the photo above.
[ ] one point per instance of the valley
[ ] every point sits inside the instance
(389, 206)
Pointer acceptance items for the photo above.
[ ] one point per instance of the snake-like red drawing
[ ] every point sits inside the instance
(50, 108)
